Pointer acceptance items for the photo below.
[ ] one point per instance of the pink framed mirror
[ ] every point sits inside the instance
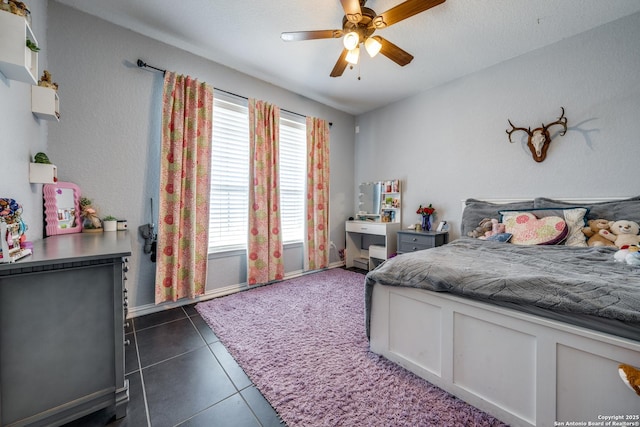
(61, 208)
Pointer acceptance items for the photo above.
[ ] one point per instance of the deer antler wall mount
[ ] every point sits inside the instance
(539, 138)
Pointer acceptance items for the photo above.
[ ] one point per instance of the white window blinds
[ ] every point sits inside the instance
(230, 175)
(293, 161)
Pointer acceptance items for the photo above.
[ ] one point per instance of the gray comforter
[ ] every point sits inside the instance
(560, 278)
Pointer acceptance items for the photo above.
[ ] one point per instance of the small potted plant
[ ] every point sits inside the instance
(32, 46)
(110, 223)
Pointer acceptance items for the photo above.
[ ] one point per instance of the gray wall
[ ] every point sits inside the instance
(449, 143)
(109, 136)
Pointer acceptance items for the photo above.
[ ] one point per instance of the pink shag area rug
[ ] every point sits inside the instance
(302, 342)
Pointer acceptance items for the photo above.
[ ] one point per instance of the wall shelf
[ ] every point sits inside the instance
(391, 201)
(42, 173)
(17, 61)
(380, 201)
(45, 103)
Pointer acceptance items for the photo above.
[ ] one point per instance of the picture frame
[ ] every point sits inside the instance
(442, 226)
(61, 208)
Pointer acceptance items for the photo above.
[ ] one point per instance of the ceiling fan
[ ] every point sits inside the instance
(358, 25)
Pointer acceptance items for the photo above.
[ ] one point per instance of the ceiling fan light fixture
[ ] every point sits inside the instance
(358, 25)
(372, 46)
(351, 40)
(353, 55)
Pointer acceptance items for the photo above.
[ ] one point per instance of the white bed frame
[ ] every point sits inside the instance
(523, 369)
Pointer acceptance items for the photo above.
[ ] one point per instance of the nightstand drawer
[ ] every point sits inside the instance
(412, 247)
(411, 241)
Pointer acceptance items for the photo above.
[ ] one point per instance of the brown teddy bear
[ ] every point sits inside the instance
(18, 8)
(45, 81)
(592, 231)
(630, 376)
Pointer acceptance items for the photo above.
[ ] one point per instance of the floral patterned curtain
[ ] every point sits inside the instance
(183, 228)
(317, 245)
(265, 263)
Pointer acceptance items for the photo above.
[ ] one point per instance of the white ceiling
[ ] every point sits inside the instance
(448, 41)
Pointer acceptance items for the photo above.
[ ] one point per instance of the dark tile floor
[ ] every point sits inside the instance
(180, 374)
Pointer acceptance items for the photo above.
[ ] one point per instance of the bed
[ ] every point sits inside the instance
(532, 334)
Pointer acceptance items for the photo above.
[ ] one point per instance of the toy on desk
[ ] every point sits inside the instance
(11, 243)
(91, 223)
(12, 231)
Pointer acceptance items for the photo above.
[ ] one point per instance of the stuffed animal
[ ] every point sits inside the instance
(496, 228)
(592, 231)
(621, 254)
(622, 233)
(18, 8)
(630, 376)
(484, 226)
(628, 254)
(633, 258)
(45, 81)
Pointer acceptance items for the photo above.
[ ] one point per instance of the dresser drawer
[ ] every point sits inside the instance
(366, 227)
(412, 241)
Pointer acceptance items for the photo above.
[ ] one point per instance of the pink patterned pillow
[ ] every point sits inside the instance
(529, 230)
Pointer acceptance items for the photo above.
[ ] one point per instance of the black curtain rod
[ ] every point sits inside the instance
(142, 64)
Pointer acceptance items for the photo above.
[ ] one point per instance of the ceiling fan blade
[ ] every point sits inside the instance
(393, 52)
(352, 10)
(338, 69)
(295, 36)
(403, 11)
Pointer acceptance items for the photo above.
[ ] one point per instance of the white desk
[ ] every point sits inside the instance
(380, 237)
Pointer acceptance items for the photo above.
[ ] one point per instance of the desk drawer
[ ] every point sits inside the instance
(366, 228)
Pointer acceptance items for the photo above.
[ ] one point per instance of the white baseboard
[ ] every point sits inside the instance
(336, 264)
(214, 293)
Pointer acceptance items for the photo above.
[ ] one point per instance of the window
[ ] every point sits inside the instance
(230, 175)
(293, 178)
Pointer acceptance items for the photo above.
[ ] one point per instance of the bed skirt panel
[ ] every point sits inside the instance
(522, 369)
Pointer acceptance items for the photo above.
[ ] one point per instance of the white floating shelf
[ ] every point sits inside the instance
(45, 103)
(17, 61)
(42, 173)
